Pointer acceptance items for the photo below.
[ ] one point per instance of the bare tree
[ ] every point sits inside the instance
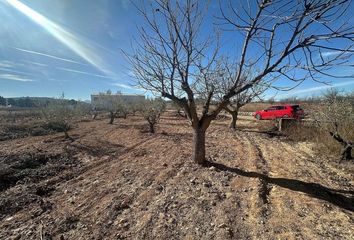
(61, 113)
(152, 110)
(336, 116)
(240, 100)
(177, 60)
(94, 113)
(124, 109)
(111, 103)
(136, 106)
(225, 78)
(179, 110)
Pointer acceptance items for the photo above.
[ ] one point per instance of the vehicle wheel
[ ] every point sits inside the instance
(285, 116)
(258, 117)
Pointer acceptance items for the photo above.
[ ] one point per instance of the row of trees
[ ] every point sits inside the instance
(30, 102)
(61, 113)
(151, 109)
(334, 113)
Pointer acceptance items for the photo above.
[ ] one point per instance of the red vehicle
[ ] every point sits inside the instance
(280, 111)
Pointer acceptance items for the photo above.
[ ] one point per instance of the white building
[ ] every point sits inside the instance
(103, 97)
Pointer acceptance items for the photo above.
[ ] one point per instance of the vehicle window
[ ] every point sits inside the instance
(280, 107)
(271, 109)
(296, 107)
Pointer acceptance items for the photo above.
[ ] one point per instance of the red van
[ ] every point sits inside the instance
(280, 111)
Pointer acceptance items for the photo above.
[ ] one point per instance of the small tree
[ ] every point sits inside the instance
(152, 110)
(225, 78)
(94, 113)
(136, 106)
(111, 103)
(124, 109)
(239, 101)
(336, 116)
(179, 110)
(61, 113)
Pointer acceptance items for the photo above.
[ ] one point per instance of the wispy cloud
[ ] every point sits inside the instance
(127, 86)
(101, 76)
(81, 46)
(37, 64)
(316, 89)
(14, 71)
(7, 64)
(14, 77)
(330, 53)
(85, 73)
(47, 55)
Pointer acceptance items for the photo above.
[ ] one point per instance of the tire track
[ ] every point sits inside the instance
(259, 206)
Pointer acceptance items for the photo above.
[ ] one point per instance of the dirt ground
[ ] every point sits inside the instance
(120, 182)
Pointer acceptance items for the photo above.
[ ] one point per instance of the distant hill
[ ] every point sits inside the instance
(30, 102)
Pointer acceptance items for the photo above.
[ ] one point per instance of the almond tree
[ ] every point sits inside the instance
(336, 116)
(238, 101)
(152, 110)
(281, 39)
(226, 76)
(179, 110)
(61, 113)
(136, 106)
(111, 103)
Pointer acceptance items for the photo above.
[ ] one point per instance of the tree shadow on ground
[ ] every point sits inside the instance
(335, 196)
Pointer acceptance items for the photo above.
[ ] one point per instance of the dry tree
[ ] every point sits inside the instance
(135, 106)
(60, 114)
(152, 110)
(226, 74)
(336, 117)
(114, 104)
(282, 39)
(240, 100)
(179, 110)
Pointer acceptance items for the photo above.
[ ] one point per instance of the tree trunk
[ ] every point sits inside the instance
(347, 146)
(111, 117)
(347, 153)
(199, 145)
(234, 115)
(151, 128)
(181, 113)
(66, 134)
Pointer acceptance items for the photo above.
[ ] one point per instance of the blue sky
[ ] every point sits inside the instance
(74, 46)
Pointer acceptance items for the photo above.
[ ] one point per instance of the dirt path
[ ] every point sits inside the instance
(133, 185)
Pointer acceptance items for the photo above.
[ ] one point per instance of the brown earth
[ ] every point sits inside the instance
(120, 182)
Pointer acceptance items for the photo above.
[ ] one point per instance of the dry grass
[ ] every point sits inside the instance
(323, 141)
(252, 107)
